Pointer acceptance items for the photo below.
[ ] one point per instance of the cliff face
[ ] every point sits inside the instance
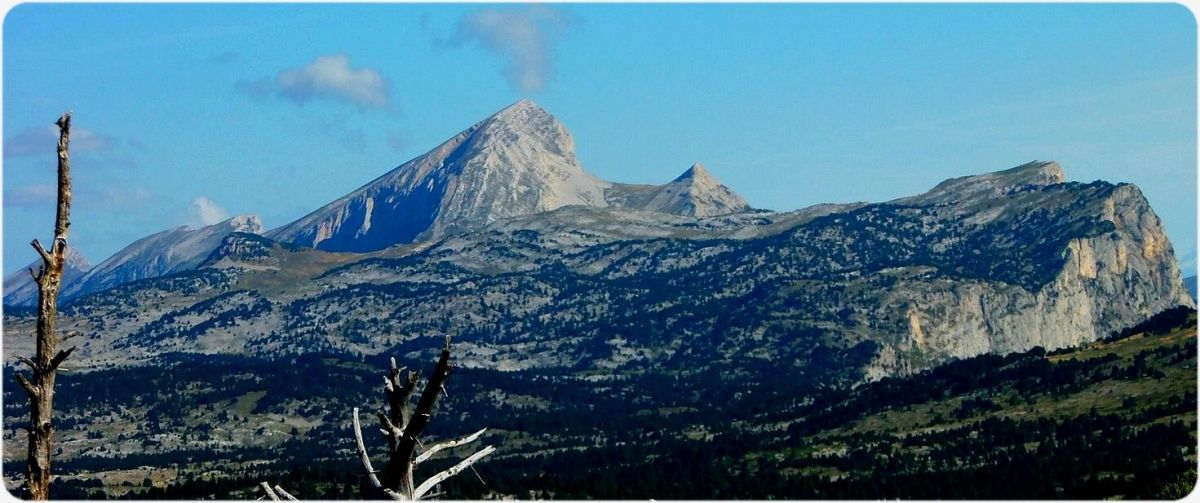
(1123, 272)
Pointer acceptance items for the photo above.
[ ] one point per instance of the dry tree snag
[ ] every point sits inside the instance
(44, 365)
(403, 431)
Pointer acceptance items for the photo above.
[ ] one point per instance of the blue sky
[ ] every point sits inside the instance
(187, 113)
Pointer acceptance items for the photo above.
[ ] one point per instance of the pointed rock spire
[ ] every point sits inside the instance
(696, 172)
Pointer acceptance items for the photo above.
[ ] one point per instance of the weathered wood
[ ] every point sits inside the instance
(365, 459)
(403, 433)
(285, 494)
(44, 366)
(270, 493)
(447, 445)
(462, 465)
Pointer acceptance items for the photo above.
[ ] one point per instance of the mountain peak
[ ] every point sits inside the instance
(523, 126)
(244, 223)
(518, 161)
(696, 172)
(522, 111)
(695, 193)
(521, 104)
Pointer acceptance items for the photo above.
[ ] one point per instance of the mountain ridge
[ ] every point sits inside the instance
(164, 252)
(910, 284)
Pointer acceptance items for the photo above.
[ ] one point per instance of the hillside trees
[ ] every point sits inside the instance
(47, 359)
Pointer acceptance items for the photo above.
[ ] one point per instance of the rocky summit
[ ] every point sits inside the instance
(520, 161)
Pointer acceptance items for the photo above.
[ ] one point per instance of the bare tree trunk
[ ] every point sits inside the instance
(397, 474)
(403, 431)
(45, 364)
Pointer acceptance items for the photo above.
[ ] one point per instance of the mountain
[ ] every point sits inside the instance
(990, 263)
(695, 193)
(20, 289)
(754, 340)
(166, 252)
(520, 161)
(1190, 283)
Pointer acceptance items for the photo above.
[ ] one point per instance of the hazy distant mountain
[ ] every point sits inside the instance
(520, 161)
(169, 251)
(20, 290)
(1190, 283)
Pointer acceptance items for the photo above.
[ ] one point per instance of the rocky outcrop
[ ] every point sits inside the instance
(1106, 281)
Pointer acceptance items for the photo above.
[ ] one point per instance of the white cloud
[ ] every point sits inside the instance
(208, 212)
(328, 77)
(523, 37)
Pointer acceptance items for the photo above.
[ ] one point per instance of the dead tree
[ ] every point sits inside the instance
(45, 364)
(403, 429)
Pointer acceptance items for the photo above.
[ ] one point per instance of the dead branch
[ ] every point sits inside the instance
(47, 259)
(366, 461)
(284, 493)
(447, 445)
(59, 358)
(270, 493)
(462, 465)
(403, 431)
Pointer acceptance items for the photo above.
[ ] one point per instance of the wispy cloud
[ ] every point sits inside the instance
(43, 140)
(524, 37)
(31, 195)
(398, 142)
(207, 212)
(326, 77)
(105, 197)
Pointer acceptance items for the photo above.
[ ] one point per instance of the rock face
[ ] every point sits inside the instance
(520, 161)
(20, 290)
(159, 254)
(1111, 264)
